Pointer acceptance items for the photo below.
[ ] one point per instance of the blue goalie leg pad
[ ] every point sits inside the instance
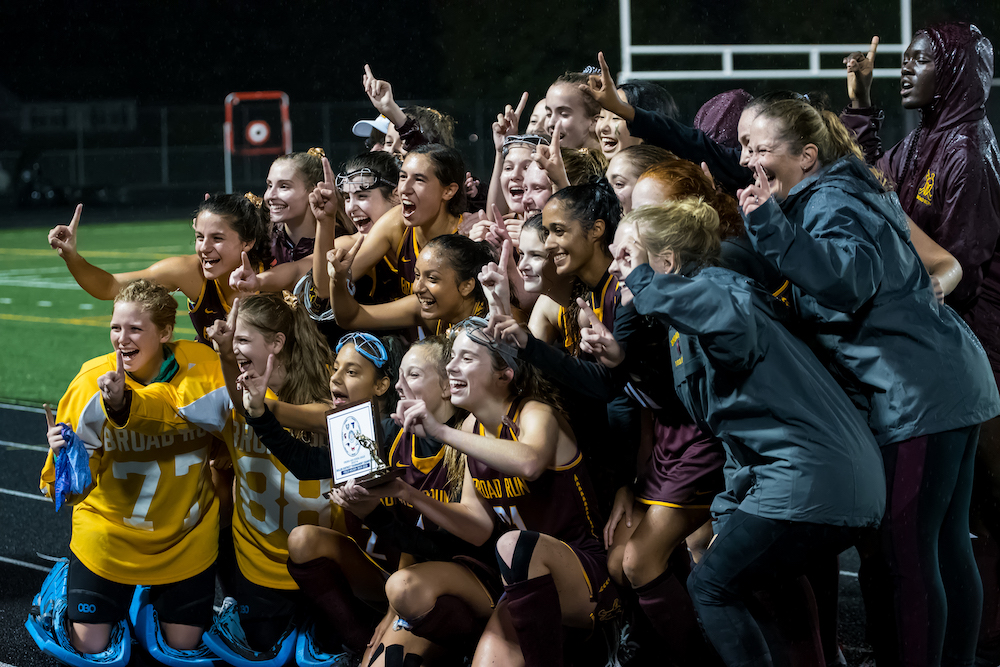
(308, 654)
(150, 636)
(48, 626)
(228, 641)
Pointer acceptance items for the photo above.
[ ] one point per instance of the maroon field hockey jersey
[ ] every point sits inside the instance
(423, 460)
(604, 299)
(561, 503)
(209, 307)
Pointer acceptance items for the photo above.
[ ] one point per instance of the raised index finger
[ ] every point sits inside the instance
(328, 174)
(595, 321)
(75, 221)
(605, 70)
(873, 48)
(404, 386)
(505, 252)
(234, 313)
(50, 419)
(554, 144)
(520, 105)
(121, 364)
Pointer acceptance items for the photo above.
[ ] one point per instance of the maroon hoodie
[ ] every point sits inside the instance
(947, 174)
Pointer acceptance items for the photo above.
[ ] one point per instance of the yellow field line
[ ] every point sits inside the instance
(92, 321)
(33, 252)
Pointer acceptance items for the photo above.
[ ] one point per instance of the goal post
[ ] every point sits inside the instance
(258, 112)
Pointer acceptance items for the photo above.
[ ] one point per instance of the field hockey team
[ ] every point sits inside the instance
(642, 387)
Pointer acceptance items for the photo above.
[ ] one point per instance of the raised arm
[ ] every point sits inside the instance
(505, 126)
(352, 315)
(182, 273)
(684, 141)
(528, 457)
(327, 206)
(828, 256)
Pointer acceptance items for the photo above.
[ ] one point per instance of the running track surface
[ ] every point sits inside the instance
(29, 526)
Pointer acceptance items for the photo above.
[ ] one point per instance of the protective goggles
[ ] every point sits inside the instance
(532, 140)
(361, 179)
(367, 345)
(473, 327)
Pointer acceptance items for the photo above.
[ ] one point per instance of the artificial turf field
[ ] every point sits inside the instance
(49, 326)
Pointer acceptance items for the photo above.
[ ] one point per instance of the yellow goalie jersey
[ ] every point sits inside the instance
(151, 516)
(269, 501)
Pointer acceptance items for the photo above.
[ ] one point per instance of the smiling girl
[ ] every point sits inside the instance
(224, 227)
(432, 201)
(289, 181)
(344, 573)
(263, 330)
(524, 466)
(151, 516)
(445, 289)
(319, 557)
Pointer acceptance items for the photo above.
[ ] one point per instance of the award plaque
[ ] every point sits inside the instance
(354, 445)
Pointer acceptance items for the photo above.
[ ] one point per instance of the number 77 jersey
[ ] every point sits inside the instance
(151, 516)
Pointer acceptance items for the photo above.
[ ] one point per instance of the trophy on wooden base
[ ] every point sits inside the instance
(354, 450)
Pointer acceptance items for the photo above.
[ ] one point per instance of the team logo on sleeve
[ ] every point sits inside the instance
(926, 191)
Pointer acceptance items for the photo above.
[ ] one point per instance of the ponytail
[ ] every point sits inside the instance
(589, 202)
(689, 227)
(802, 124)
(842, 142)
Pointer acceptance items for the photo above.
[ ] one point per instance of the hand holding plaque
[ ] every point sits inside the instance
(354, 450)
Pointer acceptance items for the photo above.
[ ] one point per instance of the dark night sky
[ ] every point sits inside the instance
(185, 51)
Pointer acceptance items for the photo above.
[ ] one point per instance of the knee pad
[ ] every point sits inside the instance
(48, 626)
(518, 569)
(150, 636)
(227, 639)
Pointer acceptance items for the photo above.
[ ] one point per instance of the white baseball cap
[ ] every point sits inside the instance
(363, 128)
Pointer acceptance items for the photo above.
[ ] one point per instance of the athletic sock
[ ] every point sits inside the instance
(322, 582)
(450, 622)
(666, 603)
(537, 620)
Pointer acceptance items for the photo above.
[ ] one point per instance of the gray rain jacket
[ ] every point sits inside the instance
(912, 366)
(797, 448)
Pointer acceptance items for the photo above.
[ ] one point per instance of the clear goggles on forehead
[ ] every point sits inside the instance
(361, 179)
(473, 327)
(367, 346)
(530, 140)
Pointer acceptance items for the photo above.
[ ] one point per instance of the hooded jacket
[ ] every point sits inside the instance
(867, 306)
(947, 174)
(797, 449)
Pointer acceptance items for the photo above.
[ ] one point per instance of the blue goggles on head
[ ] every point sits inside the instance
(369, 346)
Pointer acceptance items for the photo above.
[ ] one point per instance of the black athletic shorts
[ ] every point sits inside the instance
(94, 599)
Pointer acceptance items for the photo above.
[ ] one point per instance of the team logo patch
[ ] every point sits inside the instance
(926, 191)
(349, 436)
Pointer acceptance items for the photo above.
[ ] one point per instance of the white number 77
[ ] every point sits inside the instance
(150, 473)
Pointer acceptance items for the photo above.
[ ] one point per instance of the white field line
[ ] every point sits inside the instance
(19, 445)
(32, 566)
(21, 408)
(29, 496)
(34, 278)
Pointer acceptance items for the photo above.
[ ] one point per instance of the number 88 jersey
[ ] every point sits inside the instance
(269, 501)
